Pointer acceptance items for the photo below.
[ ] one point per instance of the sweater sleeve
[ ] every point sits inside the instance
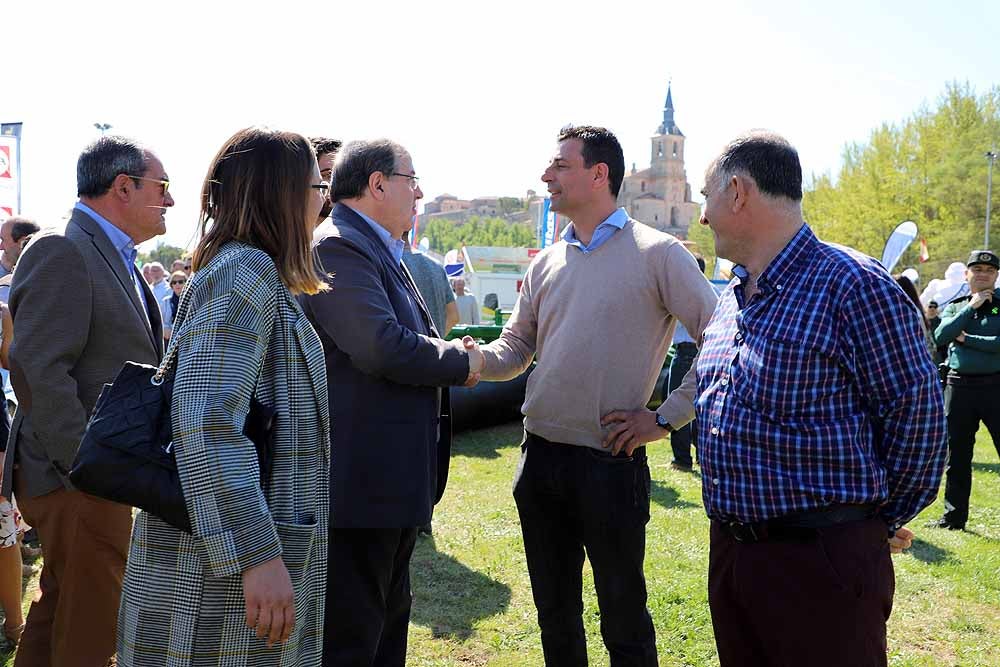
(511, 354)
(688, 296)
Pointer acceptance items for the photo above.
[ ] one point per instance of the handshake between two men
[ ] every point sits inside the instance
(628, 430)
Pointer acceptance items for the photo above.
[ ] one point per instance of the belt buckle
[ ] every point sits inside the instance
(747, 533)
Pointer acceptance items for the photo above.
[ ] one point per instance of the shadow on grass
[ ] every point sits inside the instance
(448, 596)
(988, 467)
(667, 496)
(928, 553)
(486, 443)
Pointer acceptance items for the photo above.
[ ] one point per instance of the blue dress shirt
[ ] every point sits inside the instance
(818, 390)
(394, 246)
(125, 247)
(604, 231)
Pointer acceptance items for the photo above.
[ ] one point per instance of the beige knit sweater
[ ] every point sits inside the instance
(600, 325)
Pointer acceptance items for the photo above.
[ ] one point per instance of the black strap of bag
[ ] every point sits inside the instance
(127, 453)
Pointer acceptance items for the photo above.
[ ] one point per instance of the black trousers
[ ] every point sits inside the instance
(368, 597)
(966, 406)
(821, 601)
(685, 437)
(573, 500)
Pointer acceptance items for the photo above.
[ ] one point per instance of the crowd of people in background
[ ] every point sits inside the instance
(821, 428)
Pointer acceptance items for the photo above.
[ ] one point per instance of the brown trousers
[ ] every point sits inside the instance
(821, 601)
(84, 545)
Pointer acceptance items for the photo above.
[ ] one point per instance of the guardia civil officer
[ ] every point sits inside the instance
(970, 327)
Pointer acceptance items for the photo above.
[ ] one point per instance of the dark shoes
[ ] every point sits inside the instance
(425, 529)
(945, 523)
(683, 467)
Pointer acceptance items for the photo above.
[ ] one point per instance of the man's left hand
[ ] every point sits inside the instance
(901, 541)
(633, 428)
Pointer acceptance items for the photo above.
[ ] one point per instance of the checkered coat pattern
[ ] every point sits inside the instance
(182, 606)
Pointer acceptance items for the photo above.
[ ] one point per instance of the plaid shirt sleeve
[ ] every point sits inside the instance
(896, 375)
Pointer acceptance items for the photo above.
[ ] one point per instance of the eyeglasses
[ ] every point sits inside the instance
(165, 185)
(177, 282)
(413, 179)
(323, 187)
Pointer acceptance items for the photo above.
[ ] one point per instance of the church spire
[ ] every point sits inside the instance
(669, 126)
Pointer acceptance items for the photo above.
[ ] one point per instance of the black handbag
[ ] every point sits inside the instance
(127, 454)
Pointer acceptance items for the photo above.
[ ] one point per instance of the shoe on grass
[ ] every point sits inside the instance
(945, 523)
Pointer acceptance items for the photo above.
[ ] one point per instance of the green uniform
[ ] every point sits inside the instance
(972, 394)
(980, 353)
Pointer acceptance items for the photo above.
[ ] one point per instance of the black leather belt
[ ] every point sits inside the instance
(796, 526)
(961, 380)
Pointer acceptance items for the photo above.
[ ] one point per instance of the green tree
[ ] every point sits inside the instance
(930, 169)
(162, 253)
(704, 244)
(445, 235)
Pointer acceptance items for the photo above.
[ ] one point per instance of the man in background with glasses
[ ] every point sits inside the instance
(326, 151)
(67, 344)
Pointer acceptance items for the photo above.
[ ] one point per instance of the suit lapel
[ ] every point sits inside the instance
(421, 304)
(155, 320)
(114, 261)
(346, 215)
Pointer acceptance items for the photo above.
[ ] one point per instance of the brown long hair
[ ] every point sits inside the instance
(256, 192)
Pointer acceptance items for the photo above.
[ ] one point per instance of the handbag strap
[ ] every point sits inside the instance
(171, 353)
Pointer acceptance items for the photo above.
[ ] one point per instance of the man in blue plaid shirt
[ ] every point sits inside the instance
(823, 424)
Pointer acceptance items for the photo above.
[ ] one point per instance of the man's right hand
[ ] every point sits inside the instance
(270, 600)
(476, 361)
(901, 541)
(979, 298)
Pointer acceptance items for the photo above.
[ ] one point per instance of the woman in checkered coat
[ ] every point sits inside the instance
(247, 587)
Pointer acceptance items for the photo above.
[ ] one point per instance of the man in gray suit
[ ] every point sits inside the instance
(81, 309)
(388, 374)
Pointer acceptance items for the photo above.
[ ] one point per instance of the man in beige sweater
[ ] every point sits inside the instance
(598, 310)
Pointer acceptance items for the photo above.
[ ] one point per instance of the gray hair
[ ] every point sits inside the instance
(768, 158)
(358, 160)
(103, 160)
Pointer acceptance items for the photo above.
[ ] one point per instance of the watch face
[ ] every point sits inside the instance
(661, 421)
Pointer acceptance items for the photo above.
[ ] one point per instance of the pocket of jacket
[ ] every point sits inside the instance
(296, 547)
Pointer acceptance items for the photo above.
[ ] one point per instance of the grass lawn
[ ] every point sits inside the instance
(472, 601)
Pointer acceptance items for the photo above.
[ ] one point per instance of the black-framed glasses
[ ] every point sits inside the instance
(323, 187)
(414, 179)
(178, 282)
(165, 185)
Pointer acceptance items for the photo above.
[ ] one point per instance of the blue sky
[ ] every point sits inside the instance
(476, 91)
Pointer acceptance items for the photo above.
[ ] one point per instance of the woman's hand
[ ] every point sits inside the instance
(270, 600)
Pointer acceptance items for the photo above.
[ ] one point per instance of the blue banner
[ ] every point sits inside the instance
(548, 225)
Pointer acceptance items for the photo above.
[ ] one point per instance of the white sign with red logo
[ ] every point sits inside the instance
(8, 176)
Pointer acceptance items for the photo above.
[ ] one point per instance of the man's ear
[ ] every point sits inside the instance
(740, 190)
(601, 175)
(375, 185)
(122, 187)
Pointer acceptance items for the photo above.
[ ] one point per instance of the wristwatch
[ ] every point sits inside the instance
(662, 422)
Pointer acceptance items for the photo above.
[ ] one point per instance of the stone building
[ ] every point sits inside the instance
(660, 196)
